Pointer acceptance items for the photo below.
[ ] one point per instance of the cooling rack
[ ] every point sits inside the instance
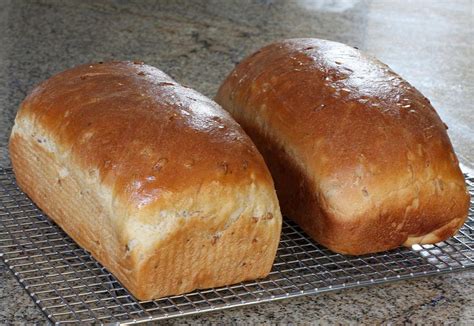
(69, 286)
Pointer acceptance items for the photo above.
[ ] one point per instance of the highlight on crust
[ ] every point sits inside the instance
(154, 179)
(360, 158)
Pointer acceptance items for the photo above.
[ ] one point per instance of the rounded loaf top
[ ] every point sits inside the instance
(140, 132)
(359, 128)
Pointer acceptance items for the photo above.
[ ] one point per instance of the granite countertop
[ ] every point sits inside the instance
(198, 43)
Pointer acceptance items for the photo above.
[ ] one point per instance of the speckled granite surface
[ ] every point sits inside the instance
(198, 42)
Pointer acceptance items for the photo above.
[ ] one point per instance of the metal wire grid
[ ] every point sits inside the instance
(70, 286)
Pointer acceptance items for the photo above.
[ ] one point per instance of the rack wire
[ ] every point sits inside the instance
(69, 286)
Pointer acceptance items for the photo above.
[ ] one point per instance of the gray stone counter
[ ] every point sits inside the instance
(430, 43)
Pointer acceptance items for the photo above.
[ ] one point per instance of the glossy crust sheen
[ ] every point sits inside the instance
(359, 157)
(158, 182)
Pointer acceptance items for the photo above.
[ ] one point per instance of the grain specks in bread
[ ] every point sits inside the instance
(359, 157)
(158, 182)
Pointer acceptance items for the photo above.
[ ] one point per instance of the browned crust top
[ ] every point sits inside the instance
(345, 115)
(141, 132)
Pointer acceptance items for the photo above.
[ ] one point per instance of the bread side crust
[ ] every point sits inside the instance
(72, 202)
(212, 248)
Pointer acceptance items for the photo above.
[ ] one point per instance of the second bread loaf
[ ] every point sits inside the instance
(359, 157)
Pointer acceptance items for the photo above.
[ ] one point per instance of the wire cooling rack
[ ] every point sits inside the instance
(68, 285)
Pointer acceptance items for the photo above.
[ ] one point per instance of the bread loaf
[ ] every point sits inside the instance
(158, 182)
(359, 157)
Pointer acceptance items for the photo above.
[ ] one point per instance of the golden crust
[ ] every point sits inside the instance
(154, 179)
(359, 157)
(134, 127)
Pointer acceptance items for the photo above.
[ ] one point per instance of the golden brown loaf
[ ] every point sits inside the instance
(359, 157)
(158, 182)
